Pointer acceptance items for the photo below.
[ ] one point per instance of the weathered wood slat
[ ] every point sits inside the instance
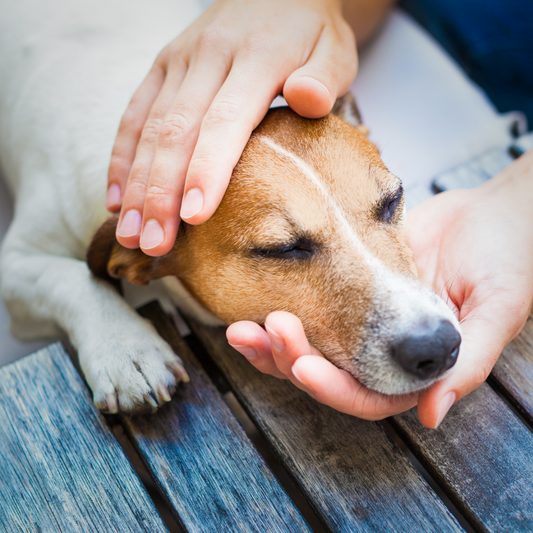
(512, 375)
(61, 468)
(203, 462)
(351, 472)
(482, 455)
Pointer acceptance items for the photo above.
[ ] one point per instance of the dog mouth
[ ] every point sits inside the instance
(409, 362)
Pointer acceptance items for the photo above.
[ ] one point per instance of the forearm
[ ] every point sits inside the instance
(365, 16)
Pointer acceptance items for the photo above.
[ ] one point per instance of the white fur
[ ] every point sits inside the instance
(67, 72)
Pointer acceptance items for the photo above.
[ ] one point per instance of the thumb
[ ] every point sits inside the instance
(312, 90)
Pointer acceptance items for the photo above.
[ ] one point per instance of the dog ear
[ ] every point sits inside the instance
(346, 109)
(108, 260)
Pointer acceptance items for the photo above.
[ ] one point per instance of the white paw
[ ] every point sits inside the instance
(131, 370)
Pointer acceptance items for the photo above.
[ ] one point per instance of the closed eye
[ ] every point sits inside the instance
(389, 206)
(298, 250)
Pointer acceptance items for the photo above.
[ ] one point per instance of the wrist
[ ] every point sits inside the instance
(365, 16)
(513, 187)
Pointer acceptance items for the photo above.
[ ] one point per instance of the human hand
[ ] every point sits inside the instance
(474, 248)
(187, 124)
(282, 350)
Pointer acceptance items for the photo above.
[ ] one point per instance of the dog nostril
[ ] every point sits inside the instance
(429, 350)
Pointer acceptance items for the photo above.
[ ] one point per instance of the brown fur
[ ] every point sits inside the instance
(270, 202)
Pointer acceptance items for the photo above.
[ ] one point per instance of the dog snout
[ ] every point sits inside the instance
(428, 350)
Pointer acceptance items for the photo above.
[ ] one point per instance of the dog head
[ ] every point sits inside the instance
(312, 223)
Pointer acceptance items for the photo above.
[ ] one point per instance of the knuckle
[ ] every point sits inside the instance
(212, 39)
(481, 374)
(162, 58)
(136, 188)
(138, 177)
(150, 130)
(175, 129)
(158, 196)
(129, 119)
(259, 44)
(223, 111)
(119, 165)
(200, 167)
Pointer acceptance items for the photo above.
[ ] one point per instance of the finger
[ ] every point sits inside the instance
(341, 391)
(130, 221)
(237, 109)
(312, 90)
(252, 341)
(483, 339)
(288, 340)
(175, 144)
(129, 132)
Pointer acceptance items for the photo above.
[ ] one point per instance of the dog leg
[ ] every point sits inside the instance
(126, 363)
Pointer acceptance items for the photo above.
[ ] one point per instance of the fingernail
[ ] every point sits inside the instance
(247, 351)
(192, 204)
(306, 387)
(276, 340)
(445, 404)
(113, 196)
(321, 87)
(153, 235)
(295, 374)
(130, 224)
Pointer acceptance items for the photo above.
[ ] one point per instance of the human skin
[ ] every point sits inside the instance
(474, 247)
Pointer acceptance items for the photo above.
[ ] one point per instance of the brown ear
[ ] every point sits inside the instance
(346, 109)
(108, 260)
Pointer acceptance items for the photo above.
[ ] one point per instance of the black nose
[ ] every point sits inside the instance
(428, 350)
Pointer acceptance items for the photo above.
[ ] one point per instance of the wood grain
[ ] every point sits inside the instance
(350, 471)
(482, 455)
(512, 375)
(61, 468)
(203, 462)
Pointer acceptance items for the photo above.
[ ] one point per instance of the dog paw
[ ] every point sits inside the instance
(133, 372)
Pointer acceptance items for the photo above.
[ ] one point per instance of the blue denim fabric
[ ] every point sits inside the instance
(492, 40)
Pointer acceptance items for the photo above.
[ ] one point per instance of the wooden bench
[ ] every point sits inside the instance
(62, 467)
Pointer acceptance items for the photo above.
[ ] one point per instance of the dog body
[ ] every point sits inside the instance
(312, 222)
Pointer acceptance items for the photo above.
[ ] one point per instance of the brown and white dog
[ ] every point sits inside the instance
(312, 223)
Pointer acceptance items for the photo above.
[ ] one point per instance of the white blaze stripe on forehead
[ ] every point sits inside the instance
(311, 175)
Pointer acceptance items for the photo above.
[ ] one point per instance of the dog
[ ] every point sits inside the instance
(312, 223)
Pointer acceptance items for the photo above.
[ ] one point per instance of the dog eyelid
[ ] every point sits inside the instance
(388, 206)
(299, 249)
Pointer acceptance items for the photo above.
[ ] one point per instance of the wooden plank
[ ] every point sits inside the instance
(512, 376)
(61, 467)
(351, 472)
(203, 462)
(482, 455)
